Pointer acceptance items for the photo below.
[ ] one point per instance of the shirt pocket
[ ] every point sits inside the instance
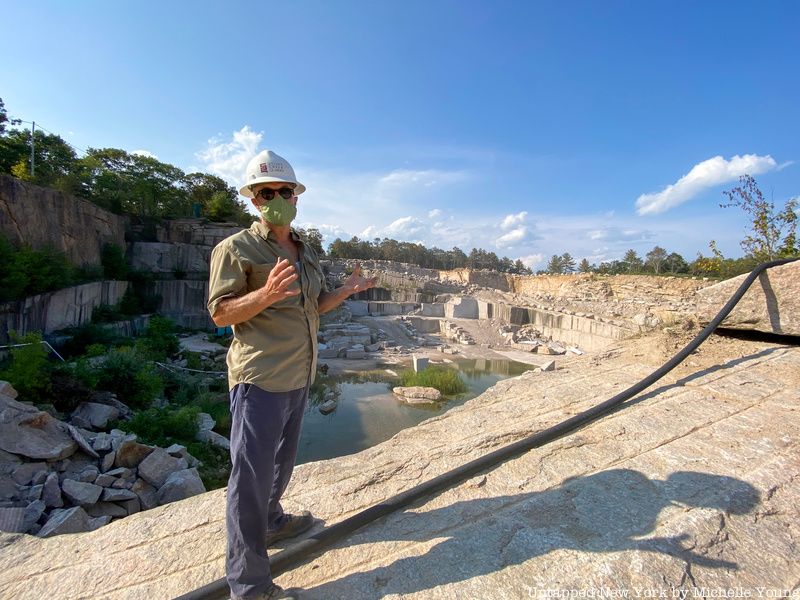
(258, 278)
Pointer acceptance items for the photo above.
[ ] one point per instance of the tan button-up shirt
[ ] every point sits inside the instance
(277, 349)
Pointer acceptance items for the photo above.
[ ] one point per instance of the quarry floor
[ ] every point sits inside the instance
(688, 491)
(489, 344)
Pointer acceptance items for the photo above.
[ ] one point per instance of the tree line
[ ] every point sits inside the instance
(119, 181)
(429, 258)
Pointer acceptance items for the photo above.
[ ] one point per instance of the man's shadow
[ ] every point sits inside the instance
(605, 512)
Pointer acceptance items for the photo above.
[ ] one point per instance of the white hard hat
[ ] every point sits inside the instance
(266, 167)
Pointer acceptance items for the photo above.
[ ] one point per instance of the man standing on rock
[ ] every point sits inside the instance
(267, 283)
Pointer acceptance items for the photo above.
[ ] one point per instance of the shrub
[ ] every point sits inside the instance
(193, 360)
(113, 260)
(216, 463)
(29, 370)
(130, 376)
(27, 272)
(165, 426)
(84, 336)
(445, 380)
(159, 341)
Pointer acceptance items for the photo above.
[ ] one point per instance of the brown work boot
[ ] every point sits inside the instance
(276, 592)
(293, 526)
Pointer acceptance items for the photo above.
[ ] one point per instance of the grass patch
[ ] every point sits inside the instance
(447, 381)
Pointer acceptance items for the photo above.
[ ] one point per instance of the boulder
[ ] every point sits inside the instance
(772, 304)
(25, 472)
(205, 422)
(148, 495)
(97, 522)
(117, 495)
(13, 520)
(6, 389)
(214, 438)
(51, 492)
(108, 461)
(89, 474)
(81, 493)
(71, 520)
(418, 394)
(27, 431)
(180, 485)
(109, 509)
(131, 506)
(131, 453)
(328, 406)
(105, 480)
(94, 416)
(158, 466)
(102, 442)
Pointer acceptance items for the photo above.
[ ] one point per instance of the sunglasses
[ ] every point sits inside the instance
(269, 194)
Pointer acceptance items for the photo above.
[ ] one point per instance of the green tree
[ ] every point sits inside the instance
(632, 261)
(313, 238)
(567, 263)
(555, 267)
(584, 266)
(655, 259)
(675, 263)
(4, 120)
(772, 233)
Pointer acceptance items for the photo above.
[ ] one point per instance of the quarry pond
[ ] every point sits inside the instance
(368, 413)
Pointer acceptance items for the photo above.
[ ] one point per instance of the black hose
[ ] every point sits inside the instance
(307, 547)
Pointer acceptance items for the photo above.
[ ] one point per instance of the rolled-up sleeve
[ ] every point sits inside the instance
(227, 277)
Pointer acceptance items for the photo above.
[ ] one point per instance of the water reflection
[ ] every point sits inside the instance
(367, 412)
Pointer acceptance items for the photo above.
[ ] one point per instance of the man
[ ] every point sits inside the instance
(267, 283)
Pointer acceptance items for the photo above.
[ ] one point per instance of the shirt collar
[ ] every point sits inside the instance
(265, 232)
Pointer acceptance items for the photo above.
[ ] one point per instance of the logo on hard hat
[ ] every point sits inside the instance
(271, 167)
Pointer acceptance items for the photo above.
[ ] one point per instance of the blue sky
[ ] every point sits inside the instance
(526, 128)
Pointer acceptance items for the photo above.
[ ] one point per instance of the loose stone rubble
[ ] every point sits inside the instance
(56, 478)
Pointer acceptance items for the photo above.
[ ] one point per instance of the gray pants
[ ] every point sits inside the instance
(265, 430)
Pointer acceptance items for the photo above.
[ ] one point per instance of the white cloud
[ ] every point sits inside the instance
(532, 260)
(228, 159)
(406, 226)
(711, 172)
(512, 220)
(513, 237)
(435, 213)
(417, 178)
(146, 153)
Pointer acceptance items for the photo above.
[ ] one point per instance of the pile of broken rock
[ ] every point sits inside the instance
(58, 478)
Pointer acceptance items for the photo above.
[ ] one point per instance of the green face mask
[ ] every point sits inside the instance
(278, 211)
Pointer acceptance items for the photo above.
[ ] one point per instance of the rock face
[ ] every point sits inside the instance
(772, 303)
(692, 486)
(72, 225)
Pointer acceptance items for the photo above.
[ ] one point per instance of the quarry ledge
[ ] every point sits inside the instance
(539, 518)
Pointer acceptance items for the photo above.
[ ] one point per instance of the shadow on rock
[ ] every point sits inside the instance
(605, 512)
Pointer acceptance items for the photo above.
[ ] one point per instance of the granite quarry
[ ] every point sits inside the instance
(689, 490)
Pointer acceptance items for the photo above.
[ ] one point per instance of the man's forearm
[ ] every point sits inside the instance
(330, 300)
(232, 311)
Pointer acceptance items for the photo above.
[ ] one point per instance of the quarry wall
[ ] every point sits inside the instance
(43, 217)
